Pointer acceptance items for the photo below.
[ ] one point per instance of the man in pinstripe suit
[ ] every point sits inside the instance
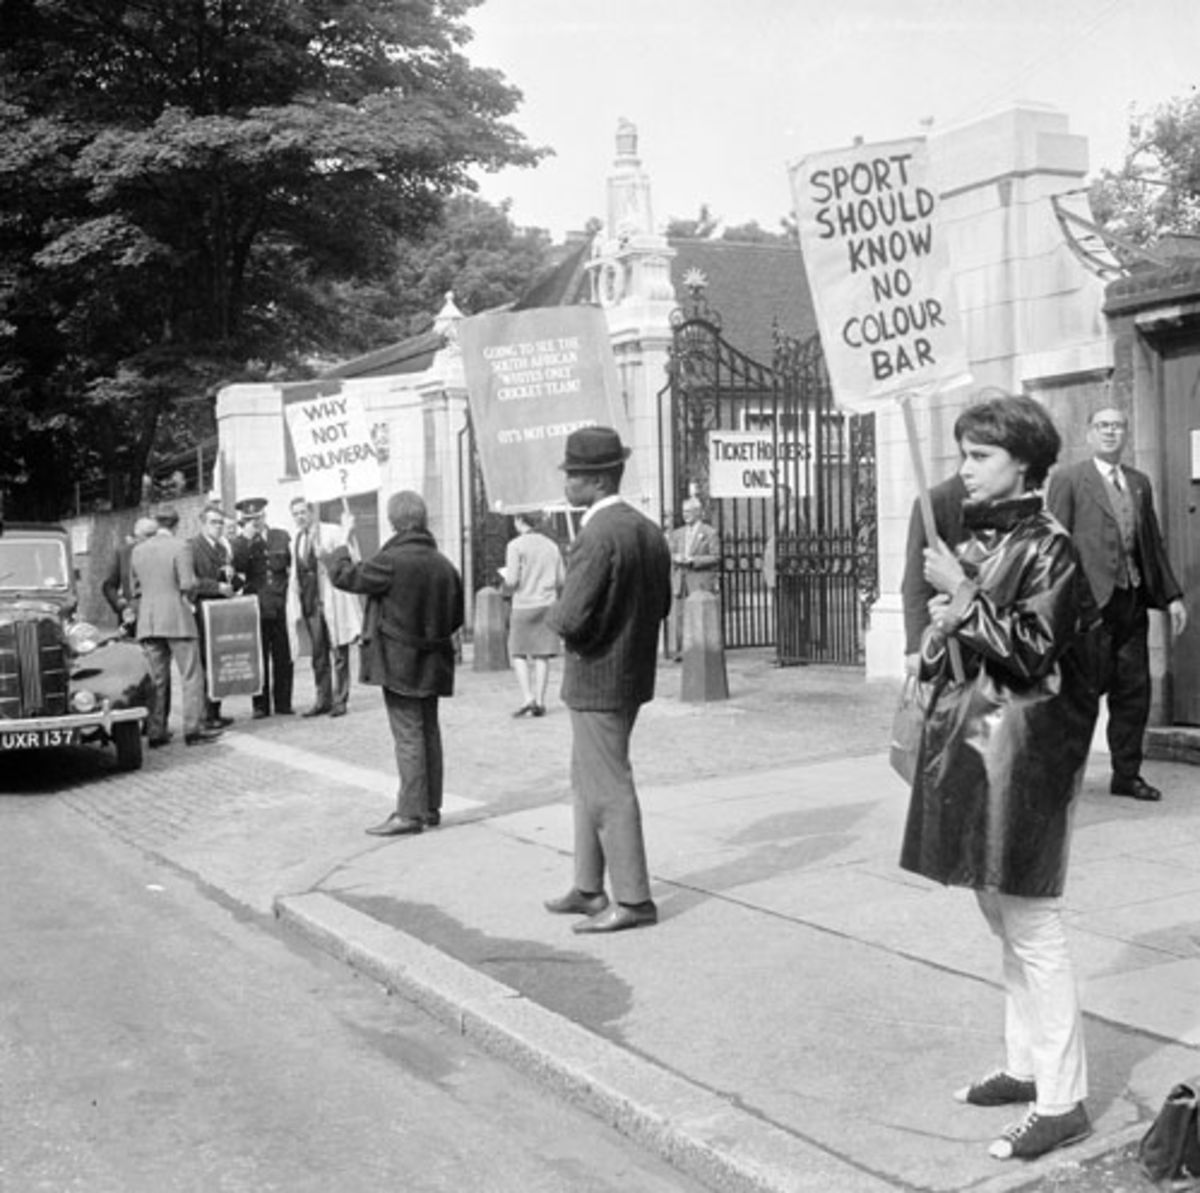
(616, 594)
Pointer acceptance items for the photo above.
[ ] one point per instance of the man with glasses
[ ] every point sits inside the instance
(1109, 509)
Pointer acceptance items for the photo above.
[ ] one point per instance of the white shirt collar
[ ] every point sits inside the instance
(603, 503)
(1106, 469)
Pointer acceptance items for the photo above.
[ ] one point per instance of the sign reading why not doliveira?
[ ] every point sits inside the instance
(331, 438)
(532, 378)
(879, 269)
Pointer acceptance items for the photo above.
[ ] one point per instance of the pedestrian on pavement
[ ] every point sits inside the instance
(533, 576)
(212, 562)
(1109, 509)
(322, 621)
(262, 555)
(1003, 751)
(616, 594)
(117, 585)
(164, 581)
(695, 565)
(414, 608)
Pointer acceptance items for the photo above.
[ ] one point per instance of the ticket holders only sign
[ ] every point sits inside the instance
(750, 463)
(532, 378)
(232, 647)
(331, 438)
(879, 269)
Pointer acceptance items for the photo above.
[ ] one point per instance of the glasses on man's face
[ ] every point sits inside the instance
(1109, 427)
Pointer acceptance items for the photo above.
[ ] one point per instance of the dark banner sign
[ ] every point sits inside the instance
(232, 648)
(533, 377)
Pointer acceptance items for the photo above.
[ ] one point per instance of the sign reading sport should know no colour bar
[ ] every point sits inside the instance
(879, 269)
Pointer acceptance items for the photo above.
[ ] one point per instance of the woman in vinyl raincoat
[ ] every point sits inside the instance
(1003, 750)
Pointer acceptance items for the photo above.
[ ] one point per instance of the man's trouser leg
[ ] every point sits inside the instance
(406, 717)
(318, 632)
(608, 818)
(158, 657)
(1126, 625)
(187, 659)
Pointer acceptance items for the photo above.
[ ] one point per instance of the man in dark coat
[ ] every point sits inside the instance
(212, 564)
(262, 554)
(946, 500)
(414, 609)
(616, 594)
(1109, 509)
(117, 585)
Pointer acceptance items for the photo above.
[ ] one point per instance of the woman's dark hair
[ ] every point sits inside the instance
(1018, 424)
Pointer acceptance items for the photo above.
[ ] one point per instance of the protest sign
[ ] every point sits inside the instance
(331, 439)
(232, 647)
(750, 463)
(879, 269)
(532, 378)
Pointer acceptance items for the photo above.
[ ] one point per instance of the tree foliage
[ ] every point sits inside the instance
(195, 191)
(1157, 189)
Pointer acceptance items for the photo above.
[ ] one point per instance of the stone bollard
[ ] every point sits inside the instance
(491, 634)
(704, 675)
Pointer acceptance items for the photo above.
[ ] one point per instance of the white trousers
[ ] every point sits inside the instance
(1043, 1025)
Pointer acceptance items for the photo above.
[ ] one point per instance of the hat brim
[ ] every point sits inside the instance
(596, 465)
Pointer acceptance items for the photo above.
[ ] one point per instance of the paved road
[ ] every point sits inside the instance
(154, 1039)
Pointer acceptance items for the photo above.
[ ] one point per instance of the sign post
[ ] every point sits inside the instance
(879, 267)
(331, 438)
(532, 378)
(232, 647)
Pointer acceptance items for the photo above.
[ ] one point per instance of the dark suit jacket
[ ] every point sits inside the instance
(265, 561)
(414, 607)
(947, 500)
(1078, 498)
(117, 584)
(616, 593)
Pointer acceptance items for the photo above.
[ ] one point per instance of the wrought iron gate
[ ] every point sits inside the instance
(799, 567)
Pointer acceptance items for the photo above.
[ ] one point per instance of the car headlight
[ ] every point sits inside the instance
(83, 637)
(82, 700)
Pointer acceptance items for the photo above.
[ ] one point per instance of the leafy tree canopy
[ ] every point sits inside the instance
(1157, 189)
(191, 192)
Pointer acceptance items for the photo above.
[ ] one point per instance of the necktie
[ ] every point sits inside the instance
(1118, 484)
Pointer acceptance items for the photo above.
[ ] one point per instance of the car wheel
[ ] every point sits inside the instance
(127, 737)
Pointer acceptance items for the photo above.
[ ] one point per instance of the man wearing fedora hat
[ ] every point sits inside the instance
(615, 596)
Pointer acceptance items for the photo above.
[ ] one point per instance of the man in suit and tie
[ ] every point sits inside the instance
(615, 596)
(1109, 509)
(695, 564)
(163, 581)
(212, 559)
(321, 618)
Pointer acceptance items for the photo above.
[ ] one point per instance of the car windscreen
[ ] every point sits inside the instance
(29, 563)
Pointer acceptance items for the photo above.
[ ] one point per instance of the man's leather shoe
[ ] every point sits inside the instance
(432, 819)
(317, 710)
(218, 722)
(397, 826)
(575, 902)
(259, 714)
(155, 742)
(201, 737)
(1135, 788)
(285, 712)
(338, 710)
(617, 918)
